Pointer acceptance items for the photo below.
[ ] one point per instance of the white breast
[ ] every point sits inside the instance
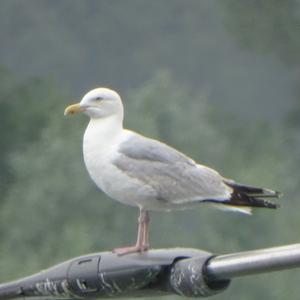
(100, 146)
(99, 143)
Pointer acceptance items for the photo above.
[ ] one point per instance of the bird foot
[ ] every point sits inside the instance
(131, 249)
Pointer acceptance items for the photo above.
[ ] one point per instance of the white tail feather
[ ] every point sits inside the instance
(244, 210)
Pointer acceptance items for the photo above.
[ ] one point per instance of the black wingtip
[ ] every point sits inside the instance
(270, 193)
(268, 204)
(240, 199)
(252, 191)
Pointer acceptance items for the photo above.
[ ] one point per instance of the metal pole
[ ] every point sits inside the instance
(187, 272)
(252, 262)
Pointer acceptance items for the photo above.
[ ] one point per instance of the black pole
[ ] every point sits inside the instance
(187, 272)
(105, 274)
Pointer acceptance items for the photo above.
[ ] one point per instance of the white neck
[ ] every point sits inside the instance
(103, 129)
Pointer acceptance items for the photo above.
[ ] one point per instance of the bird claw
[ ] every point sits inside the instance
(131, 249)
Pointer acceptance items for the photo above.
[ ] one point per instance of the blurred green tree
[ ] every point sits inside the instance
(123, 43)
(24, 109)
(266, 26)
(271, 28)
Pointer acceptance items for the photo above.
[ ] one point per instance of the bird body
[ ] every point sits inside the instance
(162, 185)
(149, 174)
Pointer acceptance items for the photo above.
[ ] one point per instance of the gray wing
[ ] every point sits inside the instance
(174, 177)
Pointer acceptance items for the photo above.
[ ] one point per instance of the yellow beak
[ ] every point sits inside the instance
(73, 109)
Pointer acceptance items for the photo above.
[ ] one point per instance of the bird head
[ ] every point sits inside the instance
(98, 103)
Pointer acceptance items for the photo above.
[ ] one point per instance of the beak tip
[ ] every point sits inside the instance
(72, 109)
(67, 112)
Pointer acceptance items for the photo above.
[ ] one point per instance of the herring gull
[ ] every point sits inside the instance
(149, 174)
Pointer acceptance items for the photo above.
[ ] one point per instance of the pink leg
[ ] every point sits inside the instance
(142, 242)
(145, 240)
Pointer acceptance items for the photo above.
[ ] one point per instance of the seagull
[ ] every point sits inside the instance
(146, 173)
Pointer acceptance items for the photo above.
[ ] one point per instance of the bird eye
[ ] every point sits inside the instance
(99, 98)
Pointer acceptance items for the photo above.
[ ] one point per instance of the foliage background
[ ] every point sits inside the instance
(218, 80)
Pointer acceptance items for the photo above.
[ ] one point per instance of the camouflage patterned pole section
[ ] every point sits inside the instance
(102, 275)
(186, 272)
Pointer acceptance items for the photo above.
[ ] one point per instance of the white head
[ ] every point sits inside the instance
(98, 104)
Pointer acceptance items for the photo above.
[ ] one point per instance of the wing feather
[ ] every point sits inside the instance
(174, 177)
